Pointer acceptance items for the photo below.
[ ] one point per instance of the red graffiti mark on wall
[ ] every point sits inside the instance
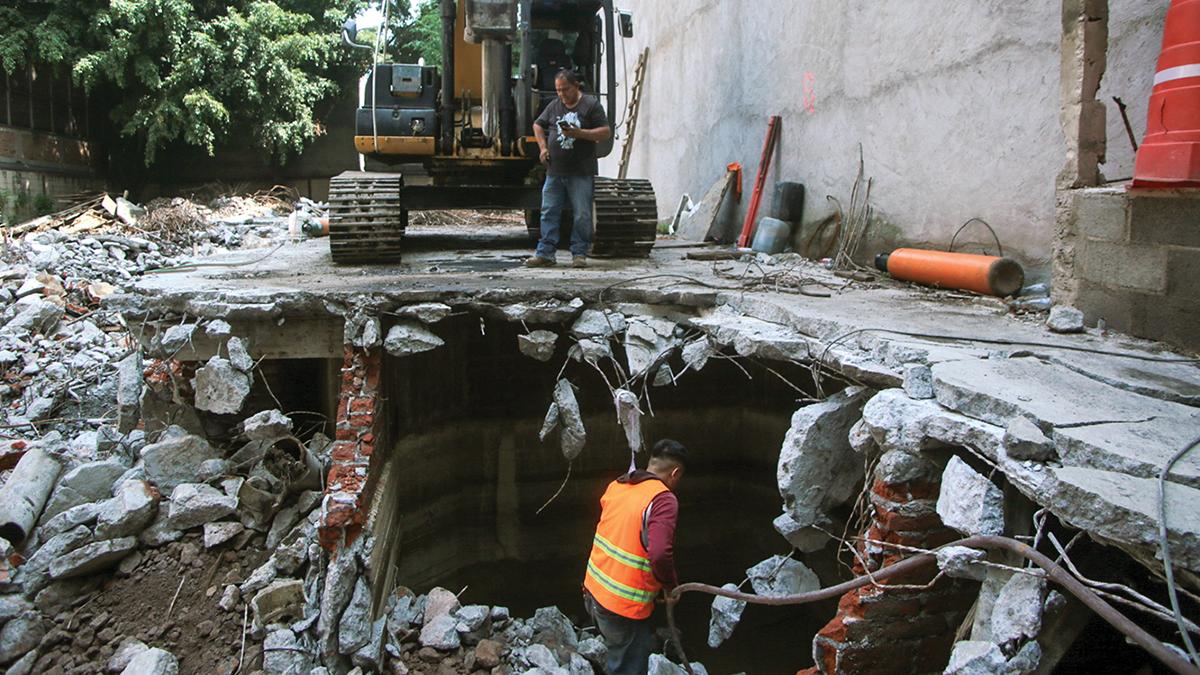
(810, 93)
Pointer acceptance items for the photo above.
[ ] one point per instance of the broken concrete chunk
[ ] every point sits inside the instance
(193, 504)
(590, 351)
(283, 653)
(817, 470)
(410, 337)
(549, 423)
(441, 633)
(440, 602)
(425, 312)
(552, 628)
(129, 512)
(129, 392)
(697, 353)
(663, 376)
(661, 665)
(1026, 660)
(216, 534)
(593, 323)
(1024, 440)
(897, 467)
(1017, 613)
(217, 328)
(153, 661)
(221, 388)
(779, 575)
(918, 381)
(175, 338)
(229, 598)
(239, 356)
(354, 628)
(959, 562)
(572, 436)
(975, 657)
(160, 531)
(73, 517)
(268, 425)
(176, 458)
(21, 635)
(362, 330)
(726, 613)
(1064, 319)
(280, 601)
(806, 539)
(129, 648)
(92, 558)
(647, 340)
(538, 344)
(88, 482)
(629, 414)
(968, 502)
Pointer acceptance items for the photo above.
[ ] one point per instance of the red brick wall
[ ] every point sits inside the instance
(344, 506)
(896, 630)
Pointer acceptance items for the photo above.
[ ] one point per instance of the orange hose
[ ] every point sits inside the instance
(984, 274)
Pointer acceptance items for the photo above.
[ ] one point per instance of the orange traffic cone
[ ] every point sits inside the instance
(1170, 154)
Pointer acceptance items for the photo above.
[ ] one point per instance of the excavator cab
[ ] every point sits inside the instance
(460, 136)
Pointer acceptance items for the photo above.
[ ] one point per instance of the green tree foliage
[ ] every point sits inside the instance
(192, 71)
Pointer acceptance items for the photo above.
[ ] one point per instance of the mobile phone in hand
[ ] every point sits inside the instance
(564, 125)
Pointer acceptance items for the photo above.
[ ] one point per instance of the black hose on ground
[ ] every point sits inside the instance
(1054, 572)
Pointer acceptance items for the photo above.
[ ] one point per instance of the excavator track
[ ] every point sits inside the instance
(366, 217)
(626, 218)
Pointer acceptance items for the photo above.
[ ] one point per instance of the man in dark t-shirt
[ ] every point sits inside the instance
(567, 132)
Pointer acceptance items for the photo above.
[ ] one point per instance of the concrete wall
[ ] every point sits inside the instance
(956, 106)
(34, 163)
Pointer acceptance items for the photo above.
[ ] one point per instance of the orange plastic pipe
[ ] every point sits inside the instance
(984, 274)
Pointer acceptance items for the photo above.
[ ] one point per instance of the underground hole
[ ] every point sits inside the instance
(456, 499)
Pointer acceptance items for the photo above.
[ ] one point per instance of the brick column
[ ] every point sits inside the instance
(896, 630)
(343, 508)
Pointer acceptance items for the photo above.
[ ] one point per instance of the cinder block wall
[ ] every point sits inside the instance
(1133, 260)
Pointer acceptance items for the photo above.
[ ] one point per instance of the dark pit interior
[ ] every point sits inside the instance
(456, 499)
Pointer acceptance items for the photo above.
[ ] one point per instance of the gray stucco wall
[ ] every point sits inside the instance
(956, 105)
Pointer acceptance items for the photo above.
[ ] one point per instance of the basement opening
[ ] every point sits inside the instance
(457, 498)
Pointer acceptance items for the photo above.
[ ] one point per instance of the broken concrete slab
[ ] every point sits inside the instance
(538, 344)
(92, 558)
(1053, 397)
(410, 337)
(968, 502)
(220, 387)
(1136, 448)
(817, 469)
(726, 613)
(193, 504)
(1123, 509)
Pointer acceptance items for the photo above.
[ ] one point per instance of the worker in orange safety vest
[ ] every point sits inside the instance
(632, 556)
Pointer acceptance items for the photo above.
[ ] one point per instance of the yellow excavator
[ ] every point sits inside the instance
(461, 137)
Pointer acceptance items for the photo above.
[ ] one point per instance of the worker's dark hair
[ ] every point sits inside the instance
(569, 75)
(670, 450)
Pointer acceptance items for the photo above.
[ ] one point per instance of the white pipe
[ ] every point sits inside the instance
(24, 495)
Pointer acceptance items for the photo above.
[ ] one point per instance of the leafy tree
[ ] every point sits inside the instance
(192, 71)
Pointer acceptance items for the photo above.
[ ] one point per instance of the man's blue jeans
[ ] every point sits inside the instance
(629, 641)
(558, 192)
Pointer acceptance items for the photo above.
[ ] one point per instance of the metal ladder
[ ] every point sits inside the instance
(635, 104)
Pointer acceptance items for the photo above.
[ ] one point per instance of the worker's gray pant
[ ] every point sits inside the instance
(629, 641)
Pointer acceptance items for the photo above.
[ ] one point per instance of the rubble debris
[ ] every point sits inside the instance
(362, 330)
(629, 415)
(1017, 613)
(593, 323)
(88, 482)
(1064, 319)
(968, 502)
(176, 458)
(918, 381)
(91, 558)
(132, 507)
(239, 356)
(803, 538)
(726, 613)
(538, 344)
(25, 493)
(647, 341)
(661, 665)
(20, 635)
(590, 351)
(410, 337)
(268, 425)
(279, 601)
(124, 654)
(216, 534)
(780, 575)
(220, 387)
(153, 661)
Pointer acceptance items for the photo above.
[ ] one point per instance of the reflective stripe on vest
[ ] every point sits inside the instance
(619, 574)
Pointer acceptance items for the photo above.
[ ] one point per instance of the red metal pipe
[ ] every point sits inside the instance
(760, 182)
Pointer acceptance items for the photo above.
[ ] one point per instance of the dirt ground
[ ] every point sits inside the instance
(144, 606)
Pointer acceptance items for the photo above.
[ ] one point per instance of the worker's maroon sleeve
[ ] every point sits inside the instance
(660, 538)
